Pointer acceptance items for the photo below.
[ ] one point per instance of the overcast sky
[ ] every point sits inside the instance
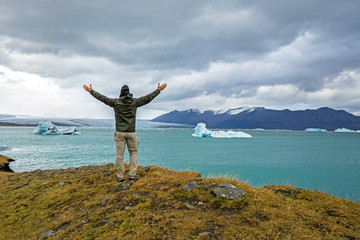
(214, 55)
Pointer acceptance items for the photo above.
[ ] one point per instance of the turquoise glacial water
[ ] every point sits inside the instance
(329, 162)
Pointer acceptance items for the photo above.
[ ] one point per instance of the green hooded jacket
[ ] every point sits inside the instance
(125, 108)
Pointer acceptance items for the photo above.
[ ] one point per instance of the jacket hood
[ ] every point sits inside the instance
(124, 90)
(128, 96)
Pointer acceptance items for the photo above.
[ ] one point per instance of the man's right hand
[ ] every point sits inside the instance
(162, 87)
(87, 88)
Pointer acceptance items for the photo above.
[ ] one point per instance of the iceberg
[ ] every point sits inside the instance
(344, 130)
(202, 131)
(315, 130)
(48, 128)
(69, 131)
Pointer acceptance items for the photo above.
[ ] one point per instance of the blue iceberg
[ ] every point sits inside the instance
(201, 131)
(48, 128)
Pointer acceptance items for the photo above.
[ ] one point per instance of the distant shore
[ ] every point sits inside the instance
(5, 124)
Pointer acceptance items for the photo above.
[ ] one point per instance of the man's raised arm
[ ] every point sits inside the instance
(148, 98)
(108, 101)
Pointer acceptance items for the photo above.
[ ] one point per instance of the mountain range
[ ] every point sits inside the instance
(260, 117)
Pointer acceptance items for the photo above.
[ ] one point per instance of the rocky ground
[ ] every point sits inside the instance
(4, 163)
(87, 203)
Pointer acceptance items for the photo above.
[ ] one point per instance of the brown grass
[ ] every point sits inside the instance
(155, 208)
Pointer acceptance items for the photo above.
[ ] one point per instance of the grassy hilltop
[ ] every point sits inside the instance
(87, 203)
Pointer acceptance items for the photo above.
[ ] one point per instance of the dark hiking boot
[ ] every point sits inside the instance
(135, 177)
(120, 179)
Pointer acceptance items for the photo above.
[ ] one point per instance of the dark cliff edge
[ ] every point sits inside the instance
(4, 163)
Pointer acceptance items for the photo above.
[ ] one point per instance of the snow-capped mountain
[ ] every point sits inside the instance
(259, 117)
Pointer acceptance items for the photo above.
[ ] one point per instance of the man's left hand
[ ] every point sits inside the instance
(162, 87)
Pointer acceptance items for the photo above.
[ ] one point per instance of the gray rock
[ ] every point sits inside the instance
(47, 234)
(103, 200)
(145, 170)
(207, 187)
(127, 207)
(204, 234)
(189, 206)
(62, 184)
(121, 187)
(190, 186)
(228, 191)
(105, 222)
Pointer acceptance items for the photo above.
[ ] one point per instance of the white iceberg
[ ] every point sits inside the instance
(69, 131)
(344, 130)
(315, 130)
(202, 131)
(48, 128)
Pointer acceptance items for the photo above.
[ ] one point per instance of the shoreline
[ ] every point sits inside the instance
(7, 124)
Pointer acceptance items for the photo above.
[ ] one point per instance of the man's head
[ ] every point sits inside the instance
(124, 90)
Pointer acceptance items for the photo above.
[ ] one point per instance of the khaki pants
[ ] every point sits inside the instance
(121, 140)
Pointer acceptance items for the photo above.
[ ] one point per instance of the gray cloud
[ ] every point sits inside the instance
(233, 51)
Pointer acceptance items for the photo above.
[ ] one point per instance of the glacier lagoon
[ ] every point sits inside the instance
(325, 161)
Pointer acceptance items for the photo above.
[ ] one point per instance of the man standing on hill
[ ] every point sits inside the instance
(125, 116)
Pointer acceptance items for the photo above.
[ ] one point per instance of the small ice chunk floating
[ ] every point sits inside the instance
(201, 131)
(48, 128)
